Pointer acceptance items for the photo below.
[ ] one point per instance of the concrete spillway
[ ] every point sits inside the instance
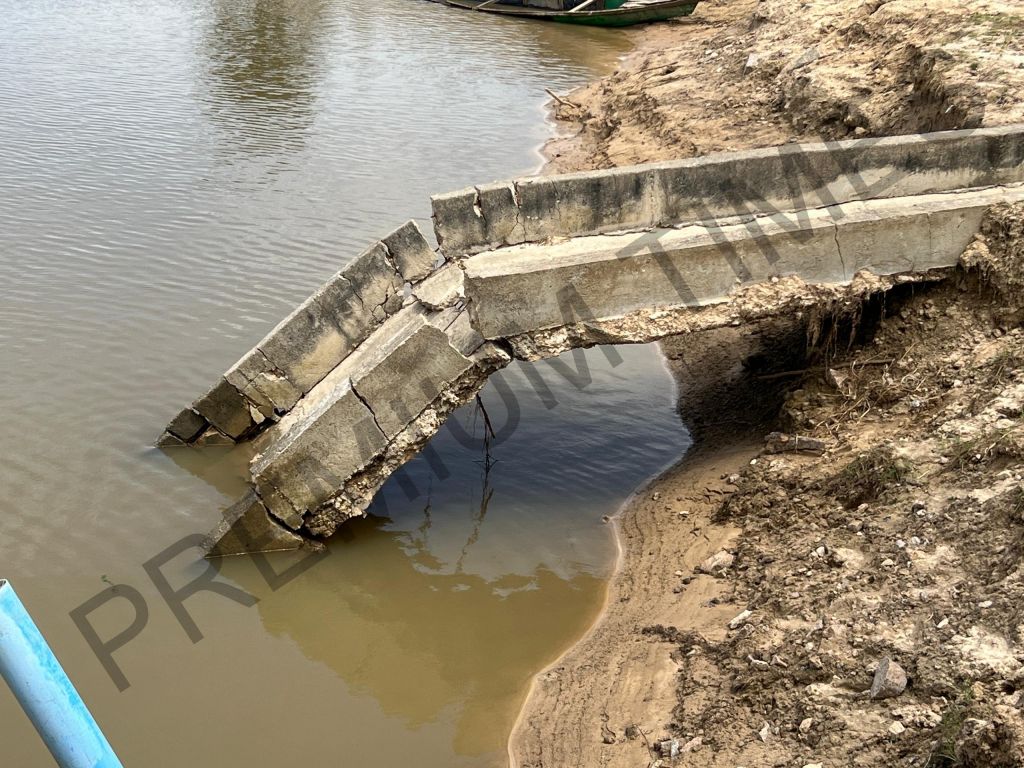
(353, 383)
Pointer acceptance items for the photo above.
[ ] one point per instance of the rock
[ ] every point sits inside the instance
(669, 748)
(809, 56)
(890, 680)
(896, 729)
(741, 619)
(805, 725)
(764, 733)
(840, 380)
(754, 61)
(692, 745)
(717, 563)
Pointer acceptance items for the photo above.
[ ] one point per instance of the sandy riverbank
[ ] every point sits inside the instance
(846, 558)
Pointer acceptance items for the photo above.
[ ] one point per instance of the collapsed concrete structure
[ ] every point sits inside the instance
(353, 383)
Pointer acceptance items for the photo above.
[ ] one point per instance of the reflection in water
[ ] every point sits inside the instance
(263, 60)
(426, 645)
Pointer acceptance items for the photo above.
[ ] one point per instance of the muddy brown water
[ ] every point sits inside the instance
(175, 175)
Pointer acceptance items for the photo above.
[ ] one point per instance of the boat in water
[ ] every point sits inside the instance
(597, 13)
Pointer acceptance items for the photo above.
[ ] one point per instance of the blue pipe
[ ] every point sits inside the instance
(45, 692)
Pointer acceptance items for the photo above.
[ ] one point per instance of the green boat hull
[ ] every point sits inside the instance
(614, 17)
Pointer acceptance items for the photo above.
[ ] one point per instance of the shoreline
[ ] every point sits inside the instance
(658, 659)
(615, 521)
(530, 743)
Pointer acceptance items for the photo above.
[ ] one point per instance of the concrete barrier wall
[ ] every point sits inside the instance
(310, 343)
(788, 178)
(529, 288)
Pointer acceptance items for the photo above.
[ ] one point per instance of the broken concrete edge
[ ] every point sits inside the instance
(708, 188)
(247, 528)
(789, 296)
(250, 525)
(301, 350)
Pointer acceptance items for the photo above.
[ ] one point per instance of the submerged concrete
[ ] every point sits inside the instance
(353, 384)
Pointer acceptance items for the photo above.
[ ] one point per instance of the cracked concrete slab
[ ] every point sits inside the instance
(410, 253)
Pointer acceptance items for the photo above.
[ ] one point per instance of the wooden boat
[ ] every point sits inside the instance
(597, 13)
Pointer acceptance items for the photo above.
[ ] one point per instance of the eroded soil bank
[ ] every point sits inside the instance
(758, 591)
(755, 73)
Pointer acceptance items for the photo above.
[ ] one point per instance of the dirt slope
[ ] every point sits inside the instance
(904, 540)
(743, 73)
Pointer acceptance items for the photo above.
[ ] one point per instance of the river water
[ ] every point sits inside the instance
(175, 175)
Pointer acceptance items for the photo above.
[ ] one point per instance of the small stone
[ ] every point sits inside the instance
(717, 563)
(669, 748)
(888, 562)
(692, 745)
(896, 729)
(758, 663)
(805, 725)
(741, 619)
(985, 604)
(942, 624)
(764, 732)
(890, 680)
(807, 57)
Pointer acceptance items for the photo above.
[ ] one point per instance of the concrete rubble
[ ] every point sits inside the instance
(354, 382)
